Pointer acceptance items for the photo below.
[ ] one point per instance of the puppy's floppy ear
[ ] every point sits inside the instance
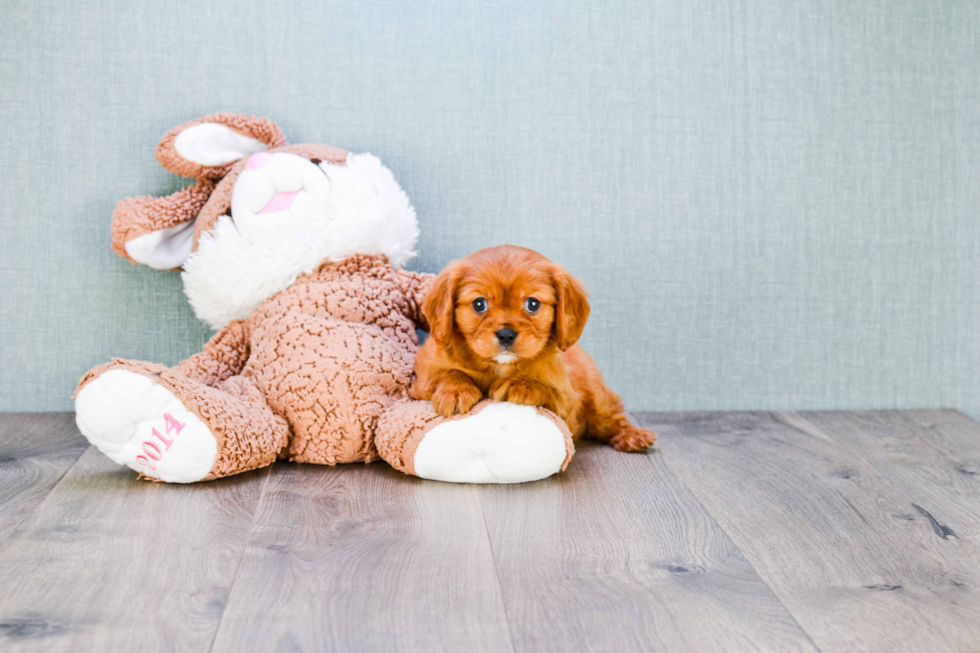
(440, 304)
(571, 308)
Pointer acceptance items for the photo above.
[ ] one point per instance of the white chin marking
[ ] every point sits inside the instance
(505, 358)
(503, 443)
(142, 425)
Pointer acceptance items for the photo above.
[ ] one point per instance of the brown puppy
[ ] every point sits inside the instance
(503, 324)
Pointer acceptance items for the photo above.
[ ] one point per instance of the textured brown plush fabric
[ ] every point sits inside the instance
(308, 375)
(401, 429)
(261, 129)
(332, 352)
(137, 216)
(223, 356)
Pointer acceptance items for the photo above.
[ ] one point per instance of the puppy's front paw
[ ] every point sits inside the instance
(633, 440)
(519, 391)
(452, 398)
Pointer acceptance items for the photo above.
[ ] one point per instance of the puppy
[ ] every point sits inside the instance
(503, 324)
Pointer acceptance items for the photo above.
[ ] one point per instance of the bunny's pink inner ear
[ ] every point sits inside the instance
(214, 144)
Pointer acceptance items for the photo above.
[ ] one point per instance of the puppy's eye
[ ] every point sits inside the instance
(532, 305)
(480, 305)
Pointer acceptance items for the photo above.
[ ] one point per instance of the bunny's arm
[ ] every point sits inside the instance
(415, 285)
(223, 356)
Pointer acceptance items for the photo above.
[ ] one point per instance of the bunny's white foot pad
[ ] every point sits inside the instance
(503, 443)
(142, 425)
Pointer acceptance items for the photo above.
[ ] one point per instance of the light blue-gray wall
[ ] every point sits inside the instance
(773, 203)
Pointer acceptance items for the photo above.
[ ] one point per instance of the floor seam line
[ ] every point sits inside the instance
(238, 567)
(496, 572)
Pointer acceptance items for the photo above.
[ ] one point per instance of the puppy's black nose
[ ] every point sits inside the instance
(506, 336)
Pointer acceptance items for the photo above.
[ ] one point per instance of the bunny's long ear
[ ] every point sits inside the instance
(205, 148)
(159, 231)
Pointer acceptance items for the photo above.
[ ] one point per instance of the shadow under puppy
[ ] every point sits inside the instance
(503, 324)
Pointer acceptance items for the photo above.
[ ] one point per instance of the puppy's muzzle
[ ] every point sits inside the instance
(506, 337)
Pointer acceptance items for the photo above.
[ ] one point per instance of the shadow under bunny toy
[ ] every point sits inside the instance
(293, 253)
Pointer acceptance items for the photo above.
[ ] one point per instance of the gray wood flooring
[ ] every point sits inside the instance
(847, 531)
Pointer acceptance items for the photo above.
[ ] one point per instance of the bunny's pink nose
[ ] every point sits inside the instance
(256, 161)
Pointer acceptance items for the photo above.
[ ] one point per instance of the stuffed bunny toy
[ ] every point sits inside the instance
(293, 253)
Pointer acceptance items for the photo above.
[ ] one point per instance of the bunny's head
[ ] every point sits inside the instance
(261, 213)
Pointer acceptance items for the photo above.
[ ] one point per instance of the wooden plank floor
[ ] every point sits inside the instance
(743, 532)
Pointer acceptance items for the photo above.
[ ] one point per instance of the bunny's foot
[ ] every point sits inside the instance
(170, 427)
(140, 424)
(495, 442)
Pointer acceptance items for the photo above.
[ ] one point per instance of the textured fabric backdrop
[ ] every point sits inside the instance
(774, 204)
